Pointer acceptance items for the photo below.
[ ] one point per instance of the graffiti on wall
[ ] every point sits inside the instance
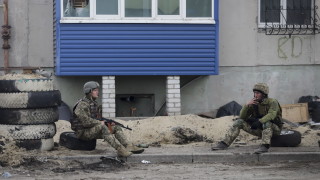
(290, 47)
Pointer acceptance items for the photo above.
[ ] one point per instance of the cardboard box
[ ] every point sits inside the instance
(297, 113)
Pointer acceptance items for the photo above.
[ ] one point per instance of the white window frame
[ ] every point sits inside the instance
(171, 17)
(283, 3)
(153, 19)
(94, 13)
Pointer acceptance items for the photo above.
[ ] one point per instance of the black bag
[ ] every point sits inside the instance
(232, 108)
(313, 106)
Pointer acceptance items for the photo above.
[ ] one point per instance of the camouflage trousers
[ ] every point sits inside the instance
(269, 129)
(115, 139)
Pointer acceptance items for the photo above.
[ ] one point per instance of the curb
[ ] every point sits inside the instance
(188, 158)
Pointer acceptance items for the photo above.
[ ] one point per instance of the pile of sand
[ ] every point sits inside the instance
(160, 130)
(310, 137)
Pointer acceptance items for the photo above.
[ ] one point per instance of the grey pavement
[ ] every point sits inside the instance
(204, 154)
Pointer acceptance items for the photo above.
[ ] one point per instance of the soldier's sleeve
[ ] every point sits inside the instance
(82, 111)
(245, 112)
(272, 113)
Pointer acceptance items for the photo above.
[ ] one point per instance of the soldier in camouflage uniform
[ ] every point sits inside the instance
(261, 116)
(86, 123)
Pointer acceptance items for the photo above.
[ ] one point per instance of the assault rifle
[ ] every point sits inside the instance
(108, 123)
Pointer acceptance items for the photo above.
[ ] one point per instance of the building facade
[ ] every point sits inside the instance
(169, 38)
(171, 58)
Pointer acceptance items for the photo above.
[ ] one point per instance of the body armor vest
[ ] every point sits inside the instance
(94, 113)
(262, 110)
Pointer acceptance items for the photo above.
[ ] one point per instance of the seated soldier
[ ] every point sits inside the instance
(261, 116)
(87, 124)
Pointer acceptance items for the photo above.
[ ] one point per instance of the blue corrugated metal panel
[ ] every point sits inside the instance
(217, 30)
(57, 37)
(137, 49)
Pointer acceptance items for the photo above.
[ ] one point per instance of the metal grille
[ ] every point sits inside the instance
(298, 18)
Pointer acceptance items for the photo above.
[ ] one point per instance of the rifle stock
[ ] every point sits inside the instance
(109, 121)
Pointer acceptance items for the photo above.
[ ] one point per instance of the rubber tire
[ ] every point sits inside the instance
(43, 131)
(25, 85)
(70, 141)
(36, 144)
(29, 116)
(287, 138)
(37, 99)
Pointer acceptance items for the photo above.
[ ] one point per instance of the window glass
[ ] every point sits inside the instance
(107, 7)
(199, 8)
(299, 12)
(270, 11)
(137, 11)
(76, 8)
(138, 8)
(168, 7)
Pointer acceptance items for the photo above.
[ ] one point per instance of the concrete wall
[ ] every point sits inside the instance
(289, 65)
(31, 33)
(287, 84)
(71, 88)
(241, 43)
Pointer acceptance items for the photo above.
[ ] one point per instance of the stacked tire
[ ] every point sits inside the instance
(28, 110)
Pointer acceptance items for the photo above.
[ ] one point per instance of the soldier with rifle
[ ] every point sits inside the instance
(88, 123)
(261, 116)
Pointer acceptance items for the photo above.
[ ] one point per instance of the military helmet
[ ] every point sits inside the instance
(261, 87)
(88, 86)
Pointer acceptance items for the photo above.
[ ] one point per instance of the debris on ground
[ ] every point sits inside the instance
(186, 135)
(10, 154)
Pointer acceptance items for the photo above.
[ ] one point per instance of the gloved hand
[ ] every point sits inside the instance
(256, 125)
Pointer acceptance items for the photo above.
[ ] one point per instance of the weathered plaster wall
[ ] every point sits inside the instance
(289, 65)
(71, 87)
(31, 33)
(287, 84)
(243, 44)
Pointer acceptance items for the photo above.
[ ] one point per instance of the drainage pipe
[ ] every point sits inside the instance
(5, 36)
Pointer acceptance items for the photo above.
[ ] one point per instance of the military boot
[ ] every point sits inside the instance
(123, 152)
(134, 149)
(220, 146)
(262, 149)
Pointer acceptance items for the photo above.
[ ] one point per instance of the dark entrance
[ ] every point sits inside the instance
(135, 105)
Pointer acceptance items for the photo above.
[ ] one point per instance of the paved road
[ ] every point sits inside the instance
(291, 170)
(173, 162)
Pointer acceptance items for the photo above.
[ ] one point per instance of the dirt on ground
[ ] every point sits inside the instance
(155, 131)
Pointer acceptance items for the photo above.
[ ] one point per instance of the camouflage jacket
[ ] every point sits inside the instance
(268, 110)
(86, 113)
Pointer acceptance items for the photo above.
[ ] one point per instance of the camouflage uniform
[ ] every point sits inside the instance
(269, 112)
(87, 126)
